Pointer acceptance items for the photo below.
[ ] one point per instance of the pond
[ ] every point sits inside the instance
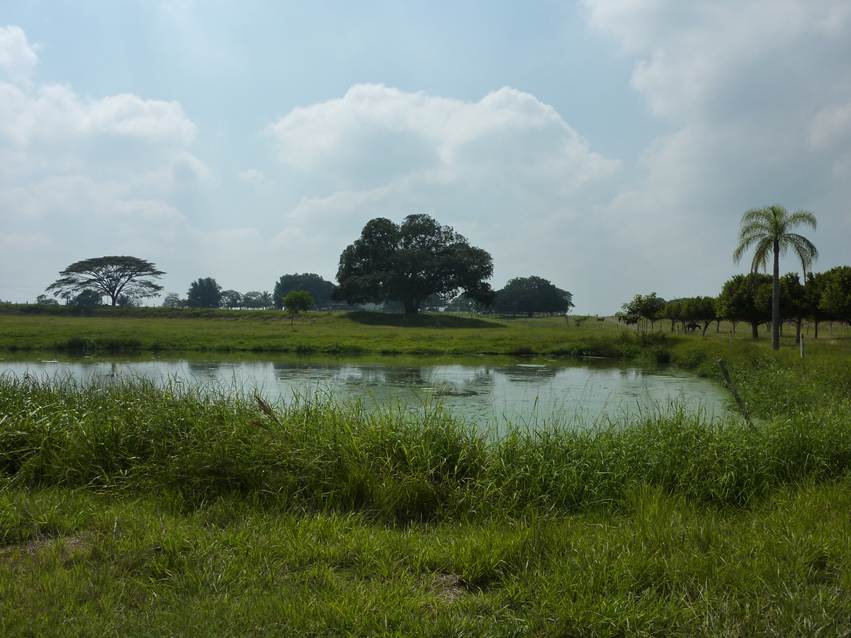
(489, 392)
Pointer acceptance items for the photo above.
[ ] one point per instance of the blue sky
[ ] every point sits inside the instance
(608, 145)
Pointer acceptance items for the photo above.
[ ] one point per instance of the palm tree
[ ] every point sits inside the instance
(767, 229)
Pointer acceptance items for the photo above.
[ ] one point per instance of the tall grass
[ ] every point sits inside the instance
(317, 455)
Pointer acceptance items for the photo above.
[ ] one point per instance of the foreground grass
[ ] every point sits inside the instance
(80, 563)
(133, 510)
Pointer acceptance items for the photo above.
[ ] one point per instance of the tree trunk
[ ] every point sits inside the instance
(775, 299)
(815, 328)
(672, 325)
(412, 306)
(755, 329)
(798, 331)
(718, 326)
(705, 326)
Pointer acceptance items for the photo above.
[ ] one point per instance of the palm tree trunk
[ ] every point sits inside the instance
(775, 299)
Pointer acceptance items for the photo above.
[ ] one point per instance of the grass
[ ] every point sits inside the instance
(137, 510)
(87, 564)
(317, 332)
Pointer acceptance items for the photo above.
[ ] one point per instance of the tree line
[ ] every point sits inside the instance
(413, 265)
(747, 298)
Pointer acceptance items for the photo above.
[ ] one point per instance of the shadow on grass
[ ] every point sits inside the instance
(419, 321)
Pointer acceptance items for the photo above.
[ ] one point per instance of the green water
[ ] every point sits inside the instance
(480, 390)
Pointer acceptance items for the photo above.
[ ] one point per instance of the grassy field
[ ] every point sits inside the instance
(133, 510)
(334, 333)
(162, 330)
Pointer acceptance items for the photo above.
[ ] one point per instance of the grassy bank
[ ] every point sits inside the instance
(329, 333)
(132, 510)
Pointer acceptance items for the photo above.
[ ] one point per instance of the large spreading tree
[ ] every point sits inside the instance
(114, 277)
(768, 232)
(410, 262)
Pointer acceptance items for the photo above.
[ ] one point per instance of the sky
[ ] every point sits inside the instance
(610, 146)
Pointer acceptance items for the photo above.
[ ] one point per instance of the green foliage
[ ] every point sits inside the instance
(204, 292)
(410, 262)
(257, 299)
(648, 308)
(530, 295)
(738, 300)
(173, 300)
(319, 288)
(113, 276)
(86, 299)
(44, 300)
(230, 299)
(297, 302)
(767, 231)
(836, 296)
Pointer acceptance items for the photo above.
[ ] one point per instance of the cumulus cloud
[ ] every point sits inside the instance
(84, 176)
(756, 96)
(506, 170)
(17, 56)
(375, 134)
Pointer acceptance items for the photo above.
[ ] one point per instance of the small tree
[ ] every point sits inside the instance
(648, 307)
(86, 299)
(204, 292)
(296, 302)
(740, 300)
(254, 299)
(320, 289)
(173, 300)
(230, 299)
(44, 300)
(111, 276)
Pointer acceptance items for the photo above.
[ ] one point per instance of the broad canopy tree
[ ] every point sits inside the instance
(410, 262)
(648, 307)
(320, 289)
(112, 276)
(740, 300)
(530, 295)
(204, 292)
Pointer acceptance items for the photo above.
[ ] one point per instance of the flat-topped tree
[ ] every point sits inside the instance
(114, 276)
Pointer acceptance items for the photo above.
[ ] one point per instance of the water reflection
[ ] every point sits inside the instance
(491, 392)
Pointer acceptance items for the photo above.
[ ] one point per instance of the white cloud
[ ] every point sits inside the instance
(756, 95)
(375, 134)
(85, 176)
(506, 170)
(17, 56)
